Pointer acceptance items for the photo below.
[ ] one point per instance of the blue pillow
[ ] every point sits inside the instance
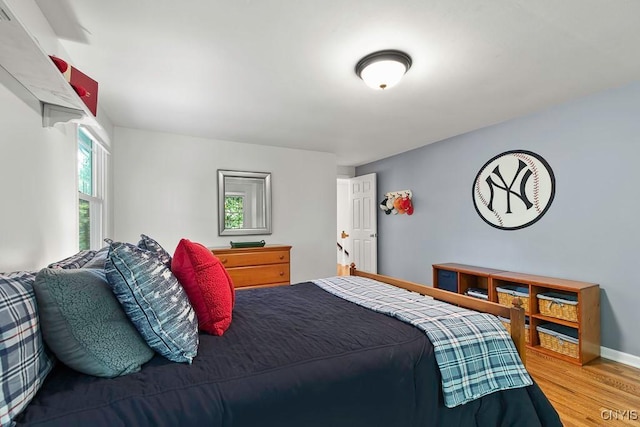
(154, 301)
(24, 364)
(85, 326)
(147, 243)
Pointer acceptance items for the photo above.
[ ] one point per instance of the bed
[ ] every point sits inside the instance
(293, 356)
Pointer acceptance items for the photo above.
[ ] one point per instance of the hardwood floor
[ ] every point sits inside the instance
(602, 393)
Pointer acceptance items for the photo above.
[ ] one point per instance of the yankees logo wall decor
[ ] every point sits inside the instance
(514, 190)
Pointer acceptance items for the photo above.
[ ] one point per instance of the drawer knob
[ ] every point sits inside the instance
(224, 260)
(282, 273)
(281, 256)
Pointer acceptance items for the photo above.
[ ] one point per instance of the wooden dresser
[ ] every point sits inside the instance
(256, 267)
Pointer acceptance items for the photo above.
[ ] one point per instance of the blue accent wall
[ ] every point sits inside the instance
(590, 233)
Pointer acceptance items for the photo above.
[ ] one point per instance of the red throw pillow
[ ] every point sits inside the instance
(207, 284)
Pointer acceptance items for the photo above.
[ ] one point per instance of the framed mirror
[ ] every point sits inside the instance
(244, 203)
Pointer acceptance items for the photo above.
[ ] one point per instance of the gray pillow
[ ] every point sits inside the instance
(99, 259)
(74, 261)
(85, 326)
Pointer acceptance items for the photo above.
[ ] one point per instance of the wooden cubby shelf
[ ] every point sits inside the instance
(460, 277)
(464, 276)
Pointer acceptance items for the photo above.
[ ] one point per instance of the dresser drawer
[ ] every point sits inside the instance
(256, 267)
(254, 258)
(259, 275)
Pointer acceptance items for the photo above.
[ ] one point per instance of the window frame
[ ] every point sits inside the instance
(98, 199)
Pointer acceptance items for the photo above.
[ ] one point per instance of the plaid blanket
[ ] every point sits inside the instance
(473, 350)
(24, 362)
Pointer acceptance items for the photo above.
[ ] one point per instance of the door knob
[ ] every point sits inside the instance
(373, 235)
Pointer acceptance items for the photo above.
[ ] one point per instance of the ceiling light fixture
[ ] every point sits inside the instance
(383, 69)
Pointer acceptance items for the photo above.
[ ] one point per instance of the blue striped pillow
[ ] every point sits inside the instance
(154, 301)
(24, 363)
(147, 243)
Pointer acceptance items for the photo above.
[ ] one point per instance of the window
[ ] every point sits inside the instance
(234, 211)
(92, 161)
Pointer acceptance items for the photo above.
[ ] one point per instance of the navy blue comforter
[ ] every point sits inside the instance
(294, 356)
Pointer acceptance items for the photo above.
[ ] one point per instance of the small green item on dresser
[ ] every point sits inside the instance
(248, 244)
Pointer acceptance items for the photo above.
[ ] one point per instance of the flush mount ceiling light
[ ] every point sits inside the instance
(383, 69)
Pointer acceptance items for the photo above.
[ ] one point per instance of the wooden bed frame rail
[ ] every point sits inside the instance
(514, 313)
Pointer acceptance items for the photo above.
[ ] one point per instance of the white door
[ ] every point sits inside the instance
(364, 222)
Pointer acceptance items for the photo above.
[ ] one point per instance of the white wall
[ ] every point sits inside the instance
(37, 185)
(343, 219)
(166, 186)
(346, 171)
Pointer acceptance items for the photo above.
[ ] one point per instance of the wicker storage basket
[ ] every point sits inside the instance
(559, 338)
(507, 293)
(559, 305)
(507, 325)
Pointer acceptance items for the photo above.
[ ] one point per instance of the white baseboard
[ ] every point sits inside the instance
(618, 356)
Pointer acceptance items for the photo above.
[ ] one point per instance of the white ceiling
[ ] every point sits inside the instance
(281, 72)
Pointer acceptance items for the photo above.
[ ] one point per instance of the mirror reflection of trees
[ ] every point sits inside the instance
(234, 212)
